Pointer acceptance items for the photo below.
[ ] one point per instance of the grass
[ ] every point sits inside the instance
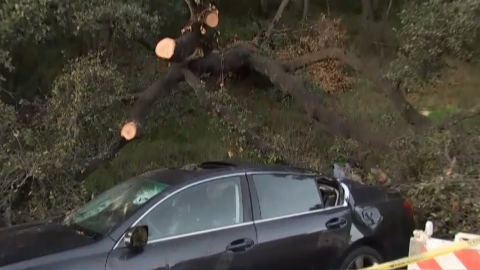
(458, 89)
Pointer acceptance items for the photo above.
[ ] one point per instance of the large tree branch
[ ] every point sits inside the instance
(202, 11)
(143, 105)
(214, 63)
(233, 59)
(217, 63)
(177, 50)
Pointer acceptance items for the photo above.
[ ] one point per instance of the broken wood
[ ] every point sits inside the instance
(214, 63)
(181, 48)
(211, 19)
(130, 130)
(145, 101)
(203, 12)
(230, 60)
(244, 54)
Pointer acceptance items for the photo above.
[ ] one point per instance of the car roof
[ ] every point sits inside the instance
(197, 172)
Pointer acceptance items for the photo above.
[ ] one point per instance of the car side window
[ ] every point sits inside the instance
(205, 206)
(281, 194)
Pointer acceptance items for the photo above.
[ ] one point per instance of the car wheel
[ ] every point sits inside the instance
(361, 257)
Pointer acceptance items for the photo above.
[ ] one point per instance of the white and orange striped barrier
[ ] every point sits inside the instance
(432, 253)
(422, 243)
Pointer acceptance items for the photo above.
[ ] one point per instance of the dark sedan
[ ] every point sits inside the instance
(220, 215)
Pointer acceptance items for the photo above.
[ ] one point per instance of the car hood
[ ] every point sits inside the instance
(28, 241)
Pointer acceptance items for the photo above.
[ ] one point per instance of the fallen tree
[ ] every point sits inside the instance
(194, 55)
(231, 60)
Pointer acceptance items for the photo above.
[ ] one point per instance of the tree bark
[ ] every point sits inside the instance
(143, 105)
(214, 63)
(177, 50)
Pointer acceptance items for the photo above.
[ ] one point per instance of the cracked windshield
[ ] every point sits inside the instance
(113, 207)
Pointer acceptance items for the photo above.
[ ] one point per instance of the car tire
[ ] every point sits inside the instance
(361, 257)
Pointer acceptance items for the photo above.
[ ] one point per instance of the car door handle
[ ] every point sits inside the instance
(336, 223)
(241, 245)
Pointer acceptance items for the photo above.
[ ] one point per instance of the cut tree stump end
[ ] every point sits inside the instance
(211, 20)
(129, 131)
(165, 48)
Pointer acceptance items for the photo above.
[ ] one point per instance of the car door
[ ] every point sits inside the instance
(294, 229)
(205, 226)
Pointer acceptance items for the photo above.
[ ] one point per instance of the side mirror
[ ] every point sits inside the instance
(136, 237)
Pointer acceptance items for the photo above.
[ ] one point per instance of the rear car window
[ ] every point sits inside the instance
(281, 195)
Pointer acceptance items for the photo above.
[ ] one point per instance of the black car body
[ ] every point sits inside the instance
(220, 216)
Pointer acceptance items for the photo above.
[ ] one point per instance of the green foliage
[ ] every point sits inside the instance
(432, 30)
(442, 180)
(126, 19)
(24, 20)
(439, 171)
(75, 53)
(78, 123)
(85, 108)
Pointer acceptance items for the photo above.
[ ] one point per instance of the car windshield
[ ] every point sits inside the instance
(111, 208)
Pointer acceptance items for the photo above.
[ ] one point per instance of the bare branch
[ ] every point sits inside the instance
(177, 50)
(273, 24)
